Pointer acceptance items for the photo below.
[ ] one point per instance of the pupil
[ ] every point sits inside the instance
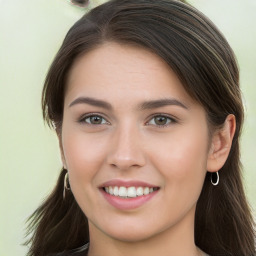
(160, 120)
(95, 120)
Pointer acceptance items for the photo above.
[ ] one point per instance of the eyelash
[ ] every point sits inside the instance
(82, 119)
(172, 120)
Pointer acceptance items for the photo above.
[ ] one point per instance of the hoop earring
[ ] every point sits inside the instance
(66, 185)
(217, 179)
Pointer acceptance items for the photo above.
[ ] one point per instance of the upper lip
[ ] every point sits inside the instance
(127, 183)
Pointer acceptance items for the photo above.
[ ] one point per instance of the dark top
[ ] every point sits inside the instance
(81, 251)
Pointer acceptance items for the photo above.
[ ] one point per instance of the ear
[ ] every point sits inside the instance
(221, 144)
(61, 150)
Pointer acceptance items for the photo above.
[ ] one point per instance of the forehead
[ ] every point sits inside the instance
(113, 71)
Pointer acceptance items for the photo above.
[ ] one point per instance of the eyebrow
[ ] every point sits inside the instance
(161, 103)
(151, 104)
(91, 101)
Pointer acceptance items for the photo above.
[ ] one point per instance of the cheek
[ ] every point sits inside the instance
(182, 160)
(84, 159)
(84, 155)
(182, 154)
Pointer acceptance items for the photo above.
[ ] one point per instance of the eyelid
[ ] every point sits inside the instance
(173, 119)
(85, 116)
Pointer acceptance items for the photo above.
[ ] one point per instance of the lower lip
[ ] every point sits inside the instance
(128, 203)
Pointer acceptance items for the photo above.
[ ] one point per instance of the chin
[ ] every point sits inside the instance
(130, 235)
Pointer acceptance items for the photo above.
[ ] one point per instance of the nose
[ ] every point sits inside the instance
(126, 149)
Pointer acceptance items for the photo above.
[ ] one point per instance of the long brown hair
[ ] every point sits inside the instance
(204, 62)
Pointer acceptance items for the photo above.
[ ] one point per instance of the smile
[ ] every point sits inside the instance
(128, 195)
(129, 192)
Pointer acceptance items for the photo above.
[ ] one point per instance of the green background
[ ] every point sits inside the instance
(31, 33)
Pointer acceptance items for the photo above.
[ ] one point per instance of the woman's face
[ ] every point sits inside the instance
(130, 128)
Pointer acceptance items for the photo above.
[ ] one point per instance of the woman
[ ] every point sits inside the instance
(144, 96)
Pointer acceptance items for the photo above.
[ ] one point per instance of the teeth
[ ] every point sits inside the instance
(139, 191)
(122, 192)
(110, 191)
(146, 191)
(115, 191)
(129, 192)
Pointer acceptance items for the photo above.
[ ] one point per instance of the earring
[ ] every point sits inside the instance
(217, 178)
(66, 185)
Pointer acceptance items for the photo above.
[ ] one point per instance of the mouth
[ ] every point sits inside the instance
(129, 192)
(128, 195)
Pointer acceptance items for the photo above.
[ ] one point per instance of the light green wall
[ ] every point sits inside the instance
(31, 33)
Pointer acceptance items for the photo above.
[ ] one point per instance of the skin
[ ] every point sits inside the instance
(128, 144)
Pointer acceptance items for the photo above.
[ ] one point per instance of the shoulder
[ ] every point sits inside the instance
(75, 252)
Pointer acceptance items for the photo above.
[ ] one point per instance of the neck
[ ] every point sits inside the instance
(177, 240)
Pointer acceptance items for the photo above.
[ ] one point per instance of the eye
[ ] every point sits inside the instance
(161, 120)
(93, 120)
